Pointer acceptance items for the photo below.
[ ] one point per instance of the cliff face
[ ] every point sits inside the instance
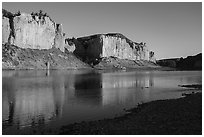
(59, 40)
(115, 45)
(5, 30)
(89, 47)
(121, 48)
(32, 31)
(37, 31)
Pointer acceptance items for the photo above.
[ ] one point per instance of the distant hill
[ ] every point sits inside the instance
(189, 63)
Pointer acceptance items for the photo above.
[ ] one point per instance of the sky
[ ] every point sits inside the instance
(169, 29)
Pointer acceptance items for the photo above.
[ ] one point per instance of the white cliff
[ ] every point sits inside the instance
(112, 44)
(39, 31)
(5, 30)
(122, 49)
(35, 31)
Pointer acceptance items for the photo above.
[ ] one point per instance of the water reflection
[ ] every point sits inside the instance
(131, 80)
(88, 88)
(125, 89)
(31, 98)
(8, 101)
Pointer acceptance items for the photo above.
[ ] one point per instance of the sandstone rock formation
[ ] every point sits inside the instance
(59, 40)
(35, 31)
(5, 30)
(112, 44)
(69, 45)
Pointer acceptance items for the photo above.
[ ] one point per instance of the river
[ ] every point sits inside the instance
(55, 97)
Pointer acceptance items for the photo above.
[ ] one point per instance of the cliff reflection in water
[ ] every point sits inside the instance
(36, 97)
(88, 88)
(126, 89)
(32, 99)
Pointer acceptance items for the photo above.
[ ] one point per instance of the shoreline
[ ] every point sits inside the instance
(158, 68)
(161, 117)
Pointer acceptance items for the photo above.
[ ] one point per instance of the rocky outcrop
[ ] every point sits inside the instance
(5, 30)
(111, 45)
(35, 31)
(69, 45)
(59, 38)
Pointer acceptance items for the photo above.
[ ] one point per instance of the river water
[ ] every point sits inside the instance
(55, 98)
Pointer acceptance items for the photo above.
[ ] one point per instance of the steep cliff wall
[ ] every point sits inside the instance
(117, 46)
(59, 40)
(89, 47)
(112, 44)
(35, 31)
(5, 29)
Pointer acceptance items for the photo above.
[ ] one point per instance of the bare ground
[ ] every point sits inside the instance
(14, 57)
